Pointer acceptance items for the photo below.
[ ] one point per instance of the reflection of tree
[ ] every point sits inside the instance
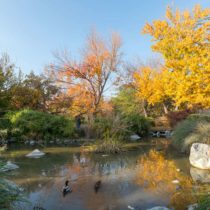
(156, 174)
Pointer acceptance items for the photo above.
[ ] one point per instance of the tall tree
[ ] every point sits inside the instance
(183, 40)
(34, 91)
(86, 81)
(143, 84)
(7, 80)
(126, 103)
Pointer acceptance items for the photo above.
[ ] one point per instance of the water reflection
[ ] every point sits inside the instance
(138, 178)
(160, 175)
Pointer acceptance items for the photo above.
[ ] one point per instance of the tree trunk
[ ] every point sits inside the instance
(165, 108)
(89, 125)
(144, 108)
(145, 111)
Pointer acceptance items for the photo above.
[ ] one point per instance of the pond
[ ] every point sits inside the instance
(121, 175)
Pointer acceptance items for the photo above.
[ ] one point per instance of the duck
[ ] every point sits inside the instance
(97, 185)
(66, 188)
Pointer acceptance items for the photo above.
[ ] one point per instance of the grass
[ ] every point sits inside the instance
(195, 129)
(108, 146)
(10, 194)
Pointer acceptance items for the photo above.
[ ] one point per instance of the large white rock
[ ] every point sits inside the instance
(200, 155)
(9, 166)
(158, 208)
(199, 175)
(134, 137)
(35, 154)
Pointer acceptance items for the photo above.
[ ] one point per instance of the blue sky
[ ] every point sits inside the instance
(31, 30)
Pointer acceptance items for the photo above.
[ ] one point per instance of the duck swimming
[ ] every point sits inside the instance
(97, 186)
(66, 188)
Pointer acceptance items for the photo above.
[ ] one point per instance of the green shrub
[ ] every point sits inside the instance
(10, 194)
(4, 123)
(196, 128)
(39, 125)
(138, 124)
(177, 116)
(111, 125)
(122, 126)
(200, 117)
(5, 126)
(204, 203)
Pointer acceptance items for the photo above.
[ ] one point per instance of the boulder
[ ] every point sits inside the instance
(66, 141)
(9, 166)
(134, 137)
(58, 141)
(83, 160)
(32, 142)
(158, 208)
(192, 206)
(131, 207)
(74, 177)
(199, 175)
(175, 181)
(35, 154)
(200, 155)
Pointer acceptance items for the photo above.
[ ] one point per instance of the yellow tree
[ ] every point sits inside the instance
(143, 84)
(183, 40)
(151, 86)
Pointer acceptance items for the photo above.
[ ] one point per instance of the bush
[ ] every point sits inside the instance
(194, 129)
(28, 124)
(10, 194)
(175, 117)
(138, 124)
(4, 123)
(199, 117)
(204, 203)
(122, 126)
(114, 126)
(5, 126)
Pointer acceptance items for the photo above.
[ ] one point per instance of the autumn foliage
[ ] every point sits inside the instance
(87, 80)
(184, 78)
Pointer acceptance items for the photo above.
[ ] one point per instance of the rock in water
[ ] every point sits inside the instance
(175, 181)
(159, 208)
(131, 207)
(35, 154)
(134, 137)
(9, 166)
(192, 207)
(200, 155)
(199, 175)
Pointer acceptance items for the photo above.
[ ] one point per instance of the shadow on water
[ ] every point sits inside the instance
(134, 178)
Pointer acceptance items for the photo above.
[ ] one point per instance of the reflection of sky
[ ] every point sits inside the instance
(44, 178)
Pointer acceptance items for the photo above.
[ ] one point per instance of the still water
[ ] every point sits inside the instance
(42, 180)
